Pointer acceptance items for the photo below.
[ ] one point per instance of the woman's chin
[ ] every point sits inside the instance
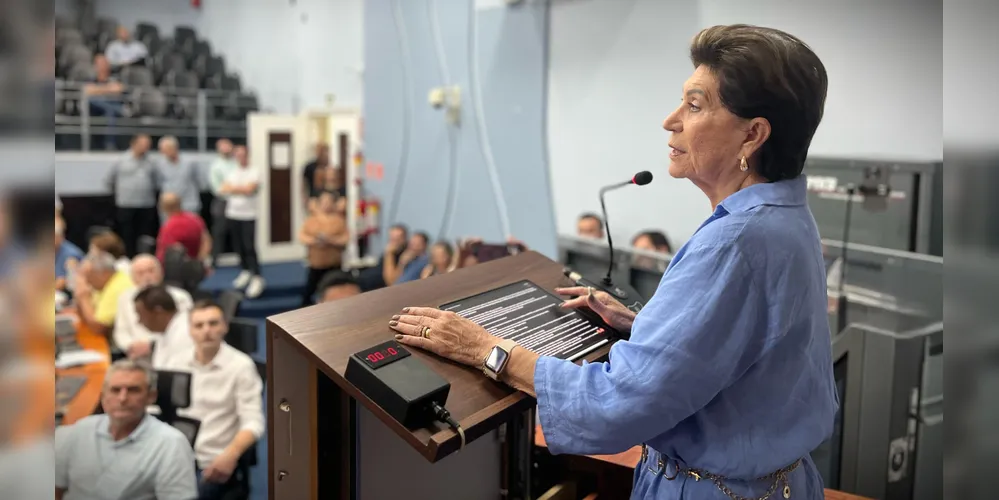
(677, 171)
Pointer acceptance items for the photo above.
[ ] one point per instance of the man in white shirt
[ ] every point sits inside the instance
(226, 397)
(124, 452)
(125, 51)
(130, 337)
(158, 312)
(241, 187)
(217, 173)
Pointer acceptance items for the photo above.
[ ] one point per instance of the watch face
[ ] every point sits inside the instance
(497, 358)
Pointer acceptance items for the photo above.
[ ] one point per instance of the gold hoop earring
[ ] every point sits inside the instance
(743, 165)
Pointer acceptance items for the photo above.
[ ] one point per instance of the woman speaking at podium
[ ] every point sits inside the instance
(727, 378)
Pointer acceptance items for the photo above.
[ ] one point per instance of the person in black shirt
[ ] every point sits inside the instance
(309, 173)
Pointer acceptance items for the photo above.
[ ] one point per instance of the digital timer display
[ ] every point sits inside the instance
(383, 354)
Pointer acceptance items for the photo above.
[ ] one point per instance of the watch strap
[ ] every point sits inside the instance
(507, 346)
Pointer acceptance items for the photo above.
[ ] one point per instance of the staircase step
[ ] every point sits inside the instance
(264, 306)
(281, 279)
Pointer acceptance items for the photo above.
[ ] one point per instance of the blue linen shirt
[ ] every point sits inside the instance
(729, 365)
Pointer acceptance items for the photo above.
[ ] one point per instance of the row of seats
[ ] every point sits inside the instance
(164, 88)
(183, 62)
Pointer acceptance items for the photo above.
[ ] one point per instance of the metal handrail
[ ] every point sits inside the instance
(197, 126)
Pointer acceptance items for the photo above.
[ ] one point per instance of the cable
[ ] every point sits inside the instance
(452, 185)
(480, 118)
(407, 106)
(438, 42)
(444, 416)
(451, 201)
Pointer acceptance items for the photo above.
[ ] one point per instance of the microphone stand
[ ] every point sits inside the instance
(607, 282)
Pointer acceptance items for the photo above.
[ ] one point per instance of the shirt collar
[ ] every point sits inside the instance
(789, 193)
(218, 361)
(103, 430)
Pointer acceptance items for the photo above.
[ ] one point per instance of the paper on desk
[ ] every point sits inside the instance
(79, 358)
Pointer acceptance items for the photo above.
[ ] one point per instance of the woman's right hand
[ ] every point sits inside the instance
(614, 313)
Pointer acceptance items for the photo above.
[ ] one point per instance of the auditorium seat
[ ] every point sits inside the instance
(143, 30)
(137, 76)
(163, 92)
(107, 25)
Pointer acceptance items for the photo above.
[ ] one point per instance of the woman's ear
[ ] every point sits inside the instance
(756, 134)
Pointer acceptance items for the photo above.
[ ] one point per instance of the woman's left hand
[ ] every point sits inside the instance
(449, 335)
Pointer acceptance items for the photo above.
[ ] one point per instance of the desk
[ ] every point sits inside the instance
(87, 400)
(631, 457)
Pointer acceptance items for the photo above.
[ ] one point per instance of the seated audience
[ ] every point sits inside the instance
(104, 97)
(242, 188)
(590, 226)
(97, 290)
(410, 263)
(441, 260)
(652, 241)
(325, 235)
(129, 336)
(182, 228)
(67, 256)
(373, 278)
(337, 285)
(179, 175)
(226, 397)
(124, 452)
(109, 242)
(466, 252)
(125, 50)
(158, 313)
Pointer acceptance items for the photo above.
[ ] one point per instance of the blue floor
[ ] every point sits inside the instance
(284, 285)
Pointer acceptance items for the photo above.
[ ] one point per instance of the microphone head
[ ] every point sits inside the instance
(642, 178)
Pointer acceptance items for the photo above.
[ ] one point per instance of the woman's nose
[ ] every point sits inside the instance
(671, 123)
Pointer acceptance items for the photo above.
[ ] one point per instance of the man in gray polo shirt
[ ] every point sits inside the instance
(124, 453)
(179, 176)
(134, 179)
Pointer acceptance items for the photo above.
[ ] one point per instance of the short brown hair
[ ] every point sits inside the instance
(110, 243)
(767, 73)
(207, 304)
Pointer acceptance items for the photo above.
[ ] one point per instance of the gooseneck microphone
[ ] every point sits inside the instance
(640, 179)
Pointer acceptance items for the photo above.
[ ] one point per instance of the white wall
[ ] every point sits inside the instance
(291, 53)
(617, 67)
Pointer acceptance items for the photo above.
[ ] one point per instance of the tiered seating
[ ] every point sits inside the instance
(164, 91)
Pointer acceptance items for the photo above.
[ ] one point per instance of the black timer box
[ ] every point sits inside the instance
(399, 383)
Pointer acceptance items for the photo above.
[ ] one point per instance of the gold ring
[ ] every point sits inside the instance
(426, 332)
(589, 290)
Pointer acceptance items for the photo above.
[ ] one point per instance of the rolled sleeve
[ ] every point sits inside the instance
(692, 340)
(249, 404)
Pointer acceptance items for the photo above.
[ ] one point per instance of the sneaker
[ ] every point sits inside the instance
(242, 279)
(256, 287)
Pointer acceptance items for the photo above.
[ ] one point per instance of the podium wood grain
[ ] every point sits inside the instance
(325, 336)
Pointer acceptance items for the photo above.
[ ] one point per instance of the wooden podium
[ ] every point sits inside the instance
(311, 413)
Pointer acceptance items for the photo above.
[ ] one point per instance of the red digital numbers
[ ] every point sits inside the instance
(383, 356)
(378, 356)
